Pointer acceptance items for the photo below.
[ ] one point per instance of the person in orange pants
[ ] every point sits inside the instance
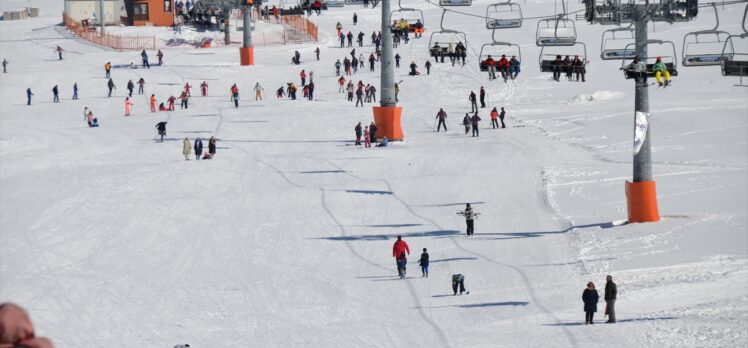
(153, 103)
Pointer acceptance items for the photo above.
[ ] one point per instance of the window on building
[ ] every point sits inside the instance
(167, 6)
(141, 12)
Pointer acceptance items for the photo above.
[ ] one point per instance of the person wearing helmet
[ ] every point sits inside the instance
(661, 69)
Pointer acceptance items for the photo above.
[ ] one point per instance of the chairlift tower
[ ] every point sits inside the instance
(246, 52)
(641, 195)
(387, 114)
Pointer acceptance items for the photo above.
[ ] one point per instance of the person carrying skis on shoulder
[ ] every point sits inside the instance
(399, 250)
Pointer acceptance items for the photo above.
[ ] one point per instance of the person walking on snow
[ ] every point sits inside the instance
(5, 64)
(198, 148)
(473, 102)
(357, 129)
(144, 56)
(59, 52)
(75, 91)
(482, 97)
(474, 123)
(28, 96)
(359, 96)
(466, 123)
(204, 89)
(428, 67)
(128, 106)
(55, 94)
(111, 86)
(186, 149)
(212, 146)
(108, 69)
(153, 103)
(590, 298)
(611, 292)
(130, 87)
(397, 60)
(160, 56)
(373, 132)
(469, 218)
(355, 18)
(367, 140)
(424, 263)
(501, 117)
(141, 85)
(341, 84)
(302, 74)
(235, 95)
(442, 117)
(316, 51)
(494, 119)
(258, 91)
(399, 250)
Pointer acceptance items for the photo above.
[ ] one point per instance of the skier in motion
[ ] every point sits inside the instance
(399, 249)
(469, 218)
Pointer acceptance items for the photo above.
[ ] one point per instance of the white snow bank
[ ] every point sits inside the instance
(598, 96)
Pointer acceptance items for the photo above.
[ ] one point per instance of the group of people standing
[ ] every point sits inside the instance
(590, 297)
(188, 147)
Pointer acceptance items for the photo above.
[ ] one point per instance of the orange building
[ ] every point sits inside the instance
(152, 12)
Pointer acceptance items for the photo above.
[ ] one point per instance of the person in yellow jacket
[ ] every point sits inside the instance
(661, 69)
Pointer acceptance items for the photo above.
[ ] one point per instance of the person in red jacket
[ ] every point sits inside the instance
(503, 66)
(490, 64)
(399, 250)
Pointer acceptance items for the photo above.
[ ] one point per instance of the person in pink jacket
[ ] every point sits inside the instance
(16, 329)
(128, 106)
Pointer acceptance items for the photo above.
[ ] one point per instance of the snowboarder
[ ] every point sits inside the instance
(357, 130)
(660, 69)
(28, 96)
(590, 298)
(428, 67)
(128, 106)
(258, 91)
(186, 149)
(153, 103)
(399, 250)
(474, 122)
(611, 292)
(424, 263)
(458, 282)
(198, 148)
(161, 127)
(469, 218)
(473, 102)
(55, 94)
(494, 119)
(466, 123)
(442, 117)
(212, 146)
(482, 94)
(204, 89)
(75, 91)
(130, 87)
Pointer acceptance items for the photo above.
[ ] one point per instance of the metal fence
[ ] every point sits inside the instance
(118, 42)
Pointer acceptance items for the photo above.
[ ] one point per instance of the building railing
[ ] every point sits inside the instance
(118, 42)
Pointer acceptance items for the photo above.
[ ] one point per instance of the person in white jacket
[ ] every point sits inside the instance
(186, 149)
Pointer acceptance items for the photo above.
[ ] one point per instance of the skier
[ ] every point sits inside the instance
(339, 28)
(469, 218)
(235, 95)
(108, 69)
(466, 123)
(75, 91)
(5, 64)
(198, 148)
(473, 102)
(557, 65)
(204, 88)
(660, 69)
(316, 51)
(567, 67)
(611, 292)
(28, 95)
(503, 67)
(258, 91)
(186, 149)
(355, 18)
(413, 71)
(367, 141)
(474, 121)
(494, 119)
(490, 64)
(458, 282)
(55, 94)
(212, 146)
(153, 103)
(399, 250)
(424, 263)
(514, 67)
(160, 56)
(144, 57)
(128, 106)
(302, 74)
(428, 67)
(357, 130)
(638, 70)
(397, 60)
(482, 94)
(59, 52)
(373, 132)
(579, 68)
(442, 117)
(130, 87)
(590, 298)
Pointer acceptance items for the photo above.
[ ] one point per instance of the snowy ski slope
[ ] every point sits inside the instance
(110, 238)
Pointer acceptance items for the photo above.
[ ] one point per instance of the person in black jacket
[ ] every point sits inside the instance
(590, 298)
(161, 127)
(358, 131)
(557, 65)
(373, 132)
(212, 146)
(611, 292)
(424, 263)
(198, 148)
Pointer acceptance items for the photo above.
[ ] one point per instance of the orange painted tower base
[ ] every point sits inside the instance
(387, 119)
(247, 55)
(641, 200)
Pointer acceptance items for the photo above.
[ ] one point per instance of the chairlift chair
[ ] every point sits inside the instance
(709, 51)
(559, 31)
(730, 65)
(417, 15)
(545, 60)
(503, 15)
(453, 37)
(496, 49)
(671, 62)
(455, 2)
(610, 47)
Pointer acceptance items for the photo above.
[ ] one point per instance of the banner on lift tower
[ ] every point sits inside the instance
(640, 130)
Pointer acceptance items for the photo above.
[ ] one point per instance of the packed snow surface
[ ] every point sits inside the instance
(110, 238)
